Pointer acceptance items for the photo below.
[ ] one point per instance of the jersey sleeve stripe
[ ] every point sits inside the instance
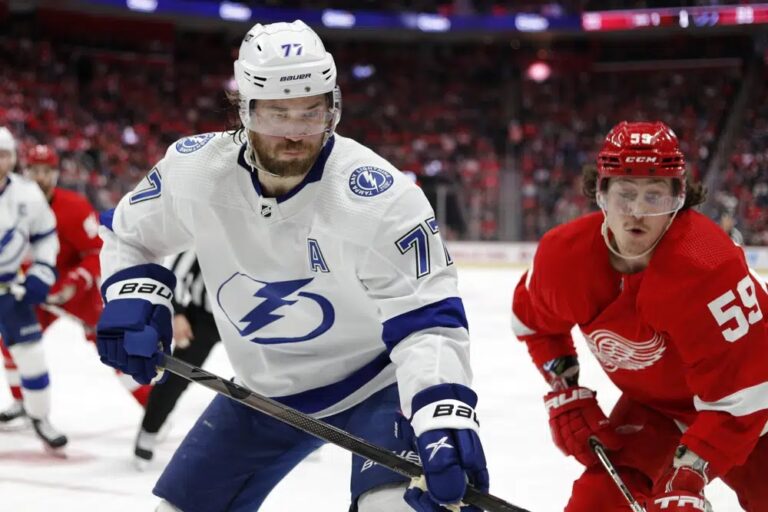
(444, 313)
(36, 237)
(741, 403)
(106, 217)
(519, 328)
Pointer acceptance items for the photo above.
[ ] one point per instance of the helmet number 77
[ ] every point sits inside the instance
(295, 47)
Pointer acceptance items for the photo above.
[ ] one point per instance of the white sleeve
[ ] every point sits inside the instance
(410, 276)
(144, 227)
(44, 242)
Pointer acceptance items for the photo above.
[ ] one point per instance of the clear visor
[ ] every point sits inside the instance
(639, 201)
(288, 122)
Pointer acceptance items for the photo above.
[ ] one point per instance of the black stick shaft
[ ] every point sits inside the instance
(323, 431)
(597, 447)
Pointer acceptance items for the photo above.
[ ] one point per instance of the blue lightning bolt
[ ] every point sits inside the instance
(274, 297)
(370, 179)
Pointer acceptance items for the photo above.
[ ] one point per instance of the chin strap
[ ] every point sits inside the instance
(615, 252)
(253, 160)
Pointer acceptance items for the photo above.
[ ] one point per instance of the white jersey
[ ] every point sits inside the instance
(322, 296)
(27, 225)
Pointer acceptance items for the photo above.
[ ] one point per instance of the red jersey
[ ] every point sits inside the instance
(77, 228)
(686, 336)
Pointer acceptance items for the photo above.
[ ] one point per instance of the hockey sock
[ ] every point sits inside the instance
(139, 391)
(11, 373)
(30, 360)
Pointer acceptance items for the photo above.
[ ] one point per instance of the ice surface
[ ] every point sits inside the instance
(101, 419)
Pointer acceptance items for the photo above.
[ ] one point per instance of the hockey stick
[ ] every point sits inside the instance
(310, 425)
(323, 431)
(599, 450)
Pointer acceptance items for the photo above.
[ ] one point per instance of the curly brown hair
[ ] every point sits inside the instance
(695, 192)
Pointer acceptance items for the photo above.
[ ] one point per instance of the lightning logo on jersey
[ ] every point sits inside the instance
(281, 312)
(370, 181)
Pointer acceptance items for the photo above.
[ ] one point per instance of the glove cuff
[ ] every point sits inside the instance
(80, 277)
(444, 406)
(151, 282)
(558, 402)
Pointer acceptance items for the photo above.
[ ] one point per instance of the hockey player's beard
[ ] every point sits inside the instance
(266, 156)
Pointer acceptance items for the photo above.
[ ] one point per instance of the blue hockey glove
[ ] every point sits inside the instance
(35, 290)
(446, 427)
(135, 326)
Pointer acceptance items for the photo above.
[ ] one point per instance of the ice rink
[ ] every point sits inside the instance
(101, 419)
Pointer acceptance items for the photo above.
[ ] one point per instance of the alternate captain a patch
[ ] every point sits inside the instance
(370, 181)
(316, 259)
(193, 143)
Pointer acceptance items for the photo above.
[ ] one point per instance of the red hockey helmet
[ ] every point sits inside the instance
(42, 154)
(642, 150)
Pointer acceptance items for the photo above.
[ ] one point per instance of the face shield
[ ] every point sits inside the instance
(278, 120)
(638, 199)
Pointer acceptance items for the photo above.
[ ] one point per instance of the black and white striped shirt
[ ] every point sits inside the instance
(190, 288)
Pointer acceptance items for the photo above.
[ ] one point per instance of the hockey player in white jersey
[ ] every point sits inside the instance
(27, 224)
(330, 286)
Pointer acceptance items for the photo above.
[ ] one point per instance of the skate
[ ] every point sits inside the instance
(144, 449)
(52, 438)
(15, 411)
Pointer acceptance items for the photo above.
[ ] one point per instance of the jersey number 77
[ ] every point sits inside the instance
(417, 239)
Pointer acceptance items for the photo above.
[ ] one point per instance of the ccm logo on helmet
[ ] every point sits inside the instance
(295, 77)
(640, 159)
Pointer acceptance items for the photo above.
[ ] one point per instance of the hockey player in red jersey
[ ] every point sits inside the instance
(77, 289)
(670, 309)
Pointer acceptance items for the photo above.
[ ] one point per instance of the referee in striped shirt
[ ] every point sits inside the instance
(195, 334)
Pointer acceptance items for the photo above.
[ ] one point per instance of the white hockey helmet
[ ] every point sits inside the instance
(283, 61)
(8, 143)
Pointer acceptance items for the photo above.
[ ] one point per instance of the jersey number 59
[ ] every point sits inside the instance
(726, 307)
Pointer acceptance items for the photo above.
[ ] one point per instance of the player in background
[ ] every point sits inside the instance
(76, 291)
(27, 225)
(670, 309)
(333, 293)
(195, 334)
(727, 222)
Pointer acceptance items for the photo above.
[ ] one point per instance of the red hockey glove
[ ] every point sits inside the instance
(574, 417)
(682, 486)
(74, 283)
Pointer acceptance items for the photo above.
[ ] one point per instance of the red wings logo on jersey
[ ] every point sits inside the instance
(618, 353)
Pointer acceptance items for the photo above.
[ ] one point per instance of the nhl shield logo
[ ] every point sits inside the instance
(193, 143)
(370, 181)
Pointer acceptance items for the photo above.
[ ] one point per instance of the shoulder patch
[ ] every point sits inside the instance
(193, 143)
(370, 181)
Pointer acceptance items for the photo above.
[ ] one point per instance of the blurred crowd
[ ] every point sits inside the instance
(454, 116)
(493, 7)
(743, 192)
(565, 119)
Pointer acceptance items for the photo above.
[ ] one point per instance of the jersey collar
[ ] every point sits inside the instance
(315, 172)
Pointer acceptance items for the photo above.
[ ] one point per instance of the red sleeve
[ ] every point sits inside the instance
(717, 326)
(536, 319)
(83, 234)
